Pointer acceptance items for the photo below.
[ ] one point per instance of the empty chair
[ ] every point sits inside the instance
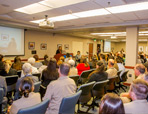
(37, 86)
(75, 78)
(84, 76)
(68, 103)
(37, 109)
(123, 79)
(1, 99)
(111, 85)
(98, 90)
(11, 82)
(38, 75)
(85, 96)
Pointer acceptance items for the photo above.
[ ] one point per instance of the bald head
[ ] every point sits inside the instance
(111, 63)
(139, 69)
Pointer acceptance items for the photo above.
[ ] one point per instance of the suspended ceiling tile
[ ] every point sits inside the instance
(142, 14)
(134, 1)
(109, 3)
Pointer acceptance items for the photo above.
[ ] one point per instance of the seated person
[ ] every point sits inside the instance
(73, 70)
(8, 70)
(102, 58)
(61, 60)
(37, 63)
(67, 57)
(17, 65)
(138, 93)
(99, 74)
(2, 67)
(82, 66)
(29, 98)
(27, 71)
(120, 66)
(58, 89)
(111, 104)
(78, 57)
(112, 72)
(45, 62)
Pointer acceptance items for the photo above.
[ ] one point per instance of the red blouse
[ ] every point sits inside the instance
(81, 67)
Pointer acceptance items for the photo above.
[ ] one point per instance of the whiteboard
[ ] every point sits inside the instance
(77, 46)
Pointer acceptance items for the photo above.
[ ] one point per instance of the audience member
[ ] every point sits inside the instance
(78, 57)
(139, 71)
(112, 72)
(111, 104)
(67, 57)
(102, 58)
(138, 93)
(73, 71)
(99, 74)
(1, 63)
(17, 65)
(45, 62)
(8, 70)
(60, 88)
(37, 63)
(120, 66)
(83, 66)
(60, 61)
(27, 71)
(28, 99)
(31, 60)
(49, 74)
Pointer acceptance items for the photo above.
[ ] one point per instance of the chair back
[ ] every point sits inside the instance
(124, 76)
(86, 92)
(68, 103)
(37, 86)
(37, 109)
(1, 99)
(11, 82)
(99, 88)
(84, 76)
(75, 78)
(118, 78)
(19, 73)
(38, 75)
(111, 83)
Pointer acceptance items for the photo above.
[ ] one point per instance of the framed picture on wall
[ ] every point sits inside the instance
(66, 46)
(43, 46)
(140, 48)
(31, 45)
(59, 45)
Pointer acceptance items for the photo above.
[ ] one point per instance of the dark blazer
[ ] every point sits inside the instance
(11, 72)
(98, 76)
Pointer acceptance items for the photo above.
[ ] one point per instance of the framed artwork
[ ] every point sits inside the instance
(140, 48)
(59, 45)
(31, 45)
(66, 46)
(43, 46)
(5, 37)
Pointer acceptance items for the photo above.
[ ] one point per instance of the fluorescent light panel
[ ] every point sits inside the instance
(33, 8)
(128, 8)
(91, 13)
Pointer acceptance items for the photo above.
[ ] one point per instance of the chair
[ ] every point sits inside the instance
(1, 99)
(75, 78)
(111, 85)
(67, 105)
(37, 109)
(118, 80)
(37, 86)
(98, 90)
(123, 79)
(38, 75)
(85, 96)
(84, 76)
(19, 73)
(11, 82)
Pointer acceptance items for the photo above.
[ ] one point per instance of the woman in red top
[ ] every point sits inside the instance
(83, 66)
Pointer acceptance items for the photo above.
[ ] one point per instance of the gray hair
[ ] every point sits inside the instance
(27, 68)
(31, 60)
(71, 62)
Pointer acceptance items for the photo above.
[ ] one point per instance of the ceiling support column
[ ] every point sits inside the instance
(131, 46)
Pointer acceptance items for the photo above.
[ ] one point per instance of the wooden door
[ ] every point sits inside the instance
(90, 50)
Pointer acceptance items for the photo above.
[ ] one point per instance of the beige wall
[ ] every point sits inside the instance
(52, 41)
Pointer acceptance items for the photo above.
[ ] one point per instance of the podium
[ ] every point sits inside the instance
(57, 56)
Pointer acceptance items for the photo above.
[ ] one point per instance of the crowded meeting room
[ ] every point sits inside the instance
(73, 57)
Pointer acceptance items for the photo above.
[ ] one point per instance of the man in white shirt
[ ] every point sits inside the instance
(58, 89)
